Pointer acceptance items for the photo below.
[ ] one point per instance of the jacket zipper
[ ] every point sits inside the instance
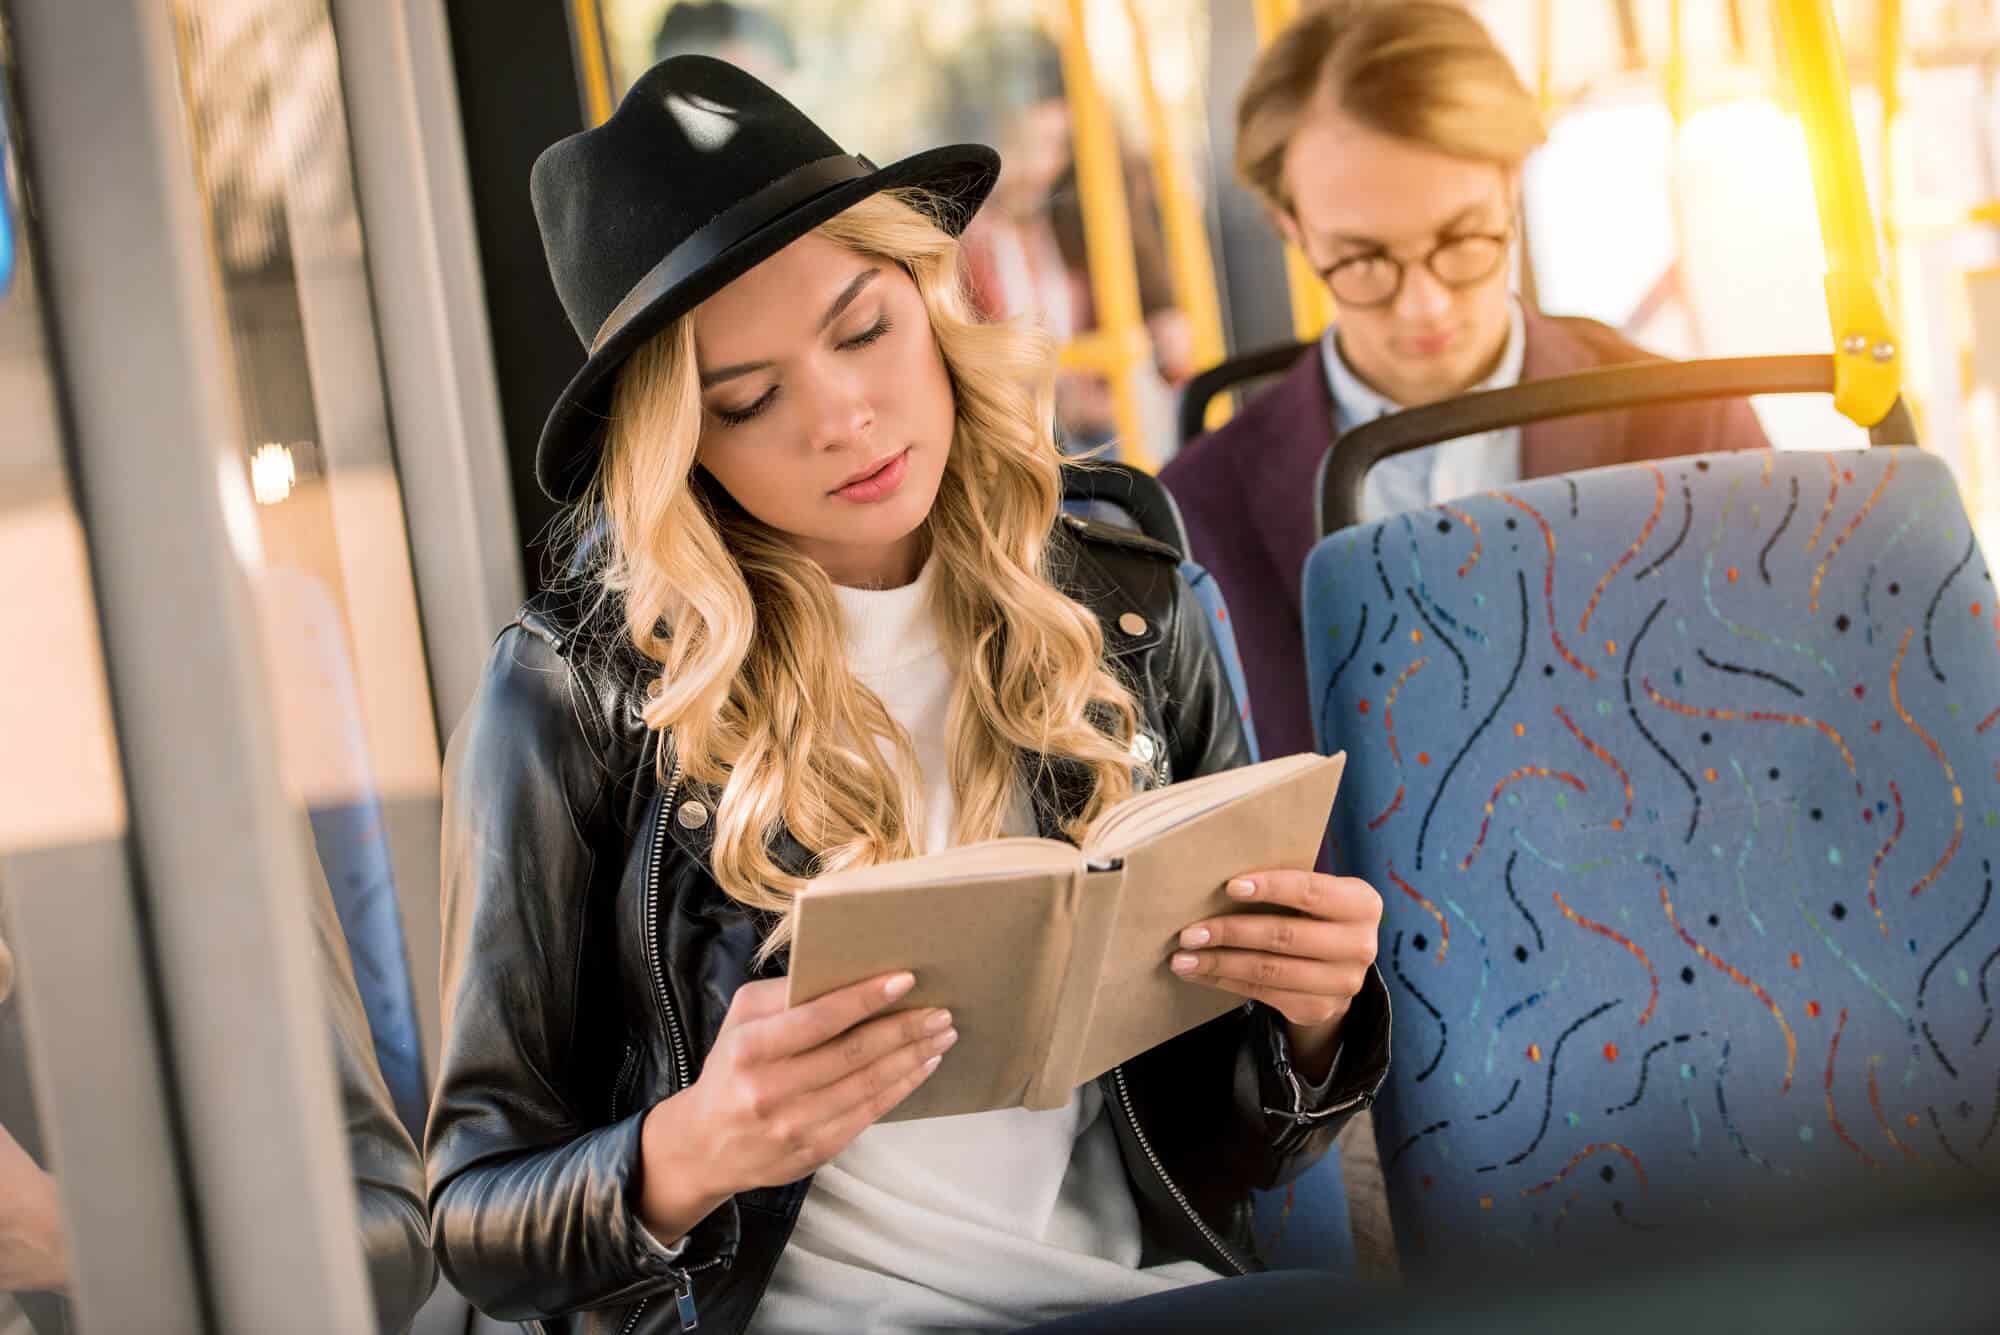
(660, 993)
(1299, 1115)
(684, 1277)
(1180, 1198)
(683, 1299)
(625, 1069)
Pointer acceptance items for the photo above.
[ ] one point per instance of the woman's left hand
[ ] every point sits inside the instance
(1307, 964)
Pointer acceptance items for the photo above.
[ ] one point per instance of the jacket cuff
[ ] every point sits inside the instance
(1360, 1064)
(712, 1241)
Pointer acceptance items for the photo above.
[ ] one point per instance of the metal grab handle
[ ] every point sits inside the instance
(1199, 390)
(1636, 384)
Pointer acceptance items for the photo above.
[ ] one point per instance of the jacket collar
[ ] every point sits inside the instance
(1295, 415)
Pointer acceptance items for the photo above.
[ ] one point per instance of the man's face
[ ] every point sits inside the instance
(1361, 198)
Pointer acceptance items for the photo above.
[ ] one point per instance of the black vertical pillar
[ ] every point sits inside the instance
(1250, 261)
(518, 94)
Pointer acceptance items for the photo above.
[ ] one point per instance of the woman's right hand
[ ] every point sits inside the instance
(782, 1092)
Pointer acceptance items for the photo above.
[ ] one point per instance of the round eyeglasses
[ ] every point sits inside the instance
(1376, 278)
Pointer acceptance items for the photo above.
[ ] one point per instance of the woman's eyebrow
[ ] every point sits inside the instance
(710, 379)
(847, 296)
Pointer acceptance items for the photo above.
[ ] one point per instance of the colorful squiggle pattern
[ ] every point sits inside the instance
(1652, 976)
(1710, 957)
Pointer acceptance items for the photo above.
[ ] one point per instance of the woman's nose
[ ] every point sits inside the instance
(842, 412)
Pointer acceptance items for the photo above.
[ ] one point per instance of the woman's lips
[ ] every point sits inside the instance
(878, 485)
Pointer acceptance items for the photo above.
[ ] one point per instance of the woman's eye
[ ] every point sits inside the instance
(738, 416)
(868, 335)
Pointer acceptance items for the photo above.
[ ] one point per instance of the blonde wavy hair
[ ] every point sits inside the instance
(753, 680)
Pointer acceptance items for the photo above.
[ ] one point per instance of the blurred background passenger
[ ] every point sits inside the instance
(746, 36)
(1025, 254)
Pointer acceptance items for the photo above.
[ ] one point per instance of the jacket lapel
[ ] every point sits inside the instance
(1291, 429)
(1564, 444)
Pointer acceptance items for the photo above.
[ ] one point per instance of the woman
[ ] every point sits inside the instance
(831, 619)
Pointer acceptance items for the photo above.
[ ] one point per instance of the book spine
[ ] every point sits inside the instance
(1093, 910)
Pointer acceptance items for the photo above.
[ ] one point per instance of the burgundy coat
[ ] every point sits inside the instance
(1247, 493)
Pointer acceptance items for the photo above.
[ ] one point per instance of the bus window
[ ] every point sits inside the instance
(327, 545)
(992, 74)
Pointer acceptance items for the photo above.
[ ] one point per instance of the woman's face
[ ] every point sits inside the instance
(828, 412)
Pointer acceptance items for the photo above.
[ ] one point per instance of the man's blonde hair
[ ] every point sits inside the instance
(1422, 70)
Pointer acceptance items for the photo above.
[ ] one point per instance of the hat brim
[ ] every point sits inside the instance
(960, 175)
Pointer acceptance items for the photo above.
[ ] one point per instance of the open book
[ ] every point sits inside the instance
(1053, 959)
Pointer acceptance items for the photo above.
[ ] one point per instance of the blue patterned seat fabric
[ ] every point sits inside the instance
(1679, 784)
(1207, 592)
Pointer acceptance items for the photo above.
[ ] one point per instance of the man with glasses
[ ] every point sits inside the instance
(1386, 139)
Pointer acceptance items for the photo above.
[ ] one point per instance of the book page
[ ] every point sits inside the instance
(1175, 876)
(986, 932)
(967, 862)
(1134, 821)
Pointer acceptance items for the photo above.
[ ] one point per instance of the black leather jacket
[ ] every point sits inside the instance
(590, 957)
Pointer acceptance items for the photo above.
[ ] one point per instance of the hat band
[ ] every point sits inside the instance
(732, 225)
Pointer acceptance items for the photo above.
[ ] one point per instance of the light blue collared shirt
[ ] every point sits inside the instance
(1435, 473)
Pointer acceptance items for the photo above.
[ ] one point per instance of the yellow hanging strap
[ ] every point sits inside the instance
(1117, 347)
(1188, 256)
(1867, 357)
(1312, 304)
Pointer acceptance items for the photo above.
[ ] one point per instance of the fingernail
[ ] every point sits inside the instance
(1183, 963)
(932, 1065)
(943, 1042)
(1243, 889)
(938, 1023)
(1195, 936)
(898, 985)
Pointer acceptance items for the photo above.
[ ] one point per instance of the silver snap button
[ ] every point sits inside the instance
(1132, 624)
(1145, 748)
(693, 815)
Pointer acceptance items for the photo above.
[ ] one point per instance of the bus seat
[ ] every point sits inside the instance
(1118, 494)
(354, 855)
(1237, 376)
(1677, 783)
(326, 764)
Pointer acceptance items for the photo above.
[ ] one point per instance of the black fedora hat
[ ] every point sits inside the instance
(700, 174)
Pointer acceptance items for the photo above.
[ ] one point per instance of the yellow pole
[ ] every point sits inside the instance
(1888, 84)
(588, 25)
(1545, 41)
(1188, 254)
(1312, 304)
(1677, 76)
(1867, 358)
(1119, 347)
